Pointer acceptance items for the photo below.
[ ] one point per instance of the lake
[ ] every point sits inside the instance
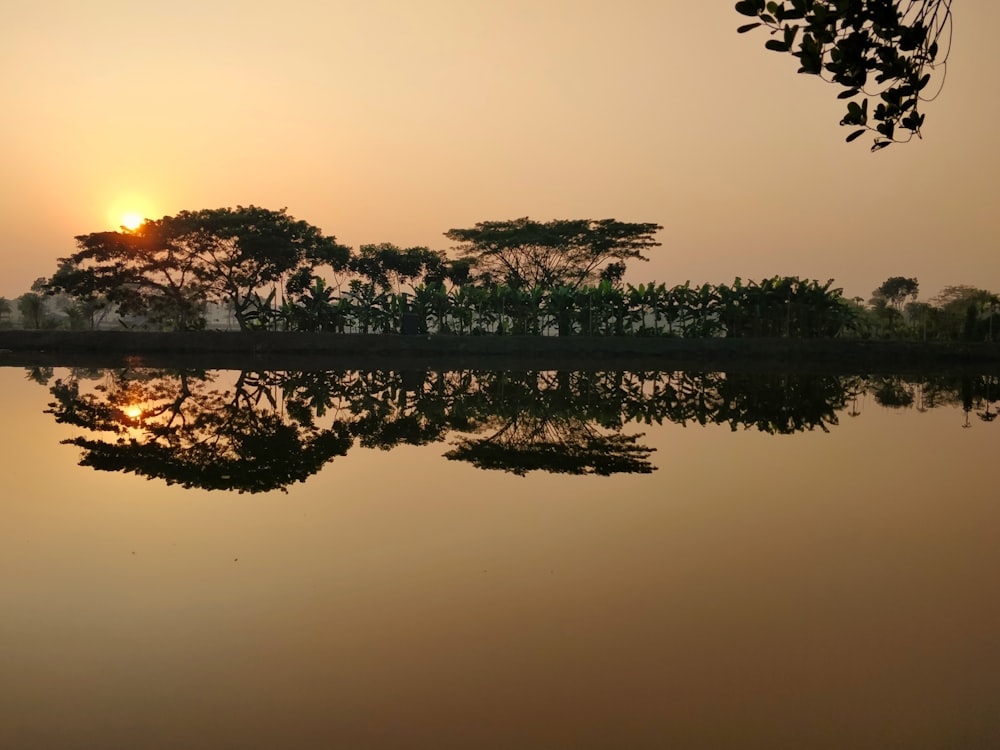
(498, 560)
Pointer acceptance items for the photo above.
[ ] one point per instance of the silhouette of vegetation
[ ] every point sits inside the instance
(880, 53)
(179, 428)
(31, 305)
(896, 290)
(169, 269)
(526, 254)
(537, 420)
(519, 277)
(263, 431)
(958, 313)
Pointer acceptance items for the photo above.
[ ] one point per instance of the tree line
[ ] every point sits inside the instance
(269, 271)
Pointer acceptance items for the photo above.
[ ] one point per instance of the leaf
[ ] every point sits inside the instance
(747, 8)
(747, 27)
(848, 94)
(855, 135)
(774, 44)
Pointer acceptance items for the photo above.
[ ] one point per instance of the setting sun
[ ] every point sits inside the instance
(131, 220)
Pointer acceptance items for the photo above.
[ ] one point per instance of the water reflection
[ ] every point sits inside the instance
(260, 431)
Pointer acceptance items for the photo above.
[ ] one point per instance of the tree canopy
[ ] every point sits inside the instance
(566, 252)
(167, 269)
(896, 289)
(875, 50)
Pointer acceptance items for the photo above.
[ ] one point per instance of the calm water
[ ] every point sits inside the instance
(498, 561)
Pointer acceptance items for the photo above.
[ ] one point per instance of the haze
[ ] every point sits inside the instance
(393, 121)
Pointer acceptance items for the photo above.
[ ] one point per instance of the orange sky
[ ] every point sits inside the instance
(394, 121)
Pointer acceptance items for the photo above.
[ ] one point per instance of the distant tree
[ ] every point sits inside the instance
(168, 269)
(524, 254)
(923, 316)
(966, 312)
(31, 305)
(875, 50)
(959, 297)
(5, 310)
(896, 290)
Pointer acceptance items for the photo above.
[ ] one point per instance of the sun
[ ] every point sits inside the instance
(131, 220)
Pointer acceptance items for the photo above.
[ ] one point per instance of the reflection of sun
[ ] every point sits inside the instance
(131, 220)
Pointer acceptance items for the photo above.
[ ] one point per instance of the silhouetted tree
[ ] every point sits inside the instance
(897, 289)
(525, 254)
(168, 269)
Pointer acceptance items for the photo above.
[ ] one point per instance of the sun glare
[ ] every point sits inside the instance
(131, 220)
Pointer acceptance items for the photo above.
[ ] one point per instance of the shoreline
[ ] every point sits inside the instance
(333, 351)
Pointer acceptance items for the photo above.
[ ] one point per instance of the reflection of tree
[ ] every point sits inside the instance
(562, 446)
(179, 428)
(40, 375)
(562, 422)
(259, 431)
(780, 403)
(893, 392)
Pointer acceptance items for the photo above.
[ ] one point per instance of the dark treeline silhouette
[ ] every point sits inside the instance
(259, 269)
(260, 431)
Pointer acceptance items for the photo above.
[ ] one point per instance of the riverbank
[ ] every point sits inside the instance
(303, 351)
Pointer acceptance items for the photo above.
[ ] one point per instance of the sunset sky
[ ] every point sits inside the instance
(394, 121)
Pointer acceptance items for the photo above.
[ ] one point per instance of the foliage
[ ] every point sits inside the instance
(522, 253)
(881, 51)
(969, 313)
(168, 269)
(389, 266)
(262, 431)
(31, 306)
(897, 289)
(179, 428)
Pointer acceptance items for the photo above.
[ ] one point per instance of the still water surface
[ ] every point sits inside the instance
(723, 586)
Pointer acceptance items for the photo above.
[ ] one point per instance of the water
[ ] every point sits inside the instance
(827, 581)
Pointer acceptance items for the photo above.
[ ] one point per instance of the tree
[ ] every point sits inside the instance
(568, 252)
(896, 290)
(168, 269)
(5, 309)
(31, 305)
(389, 266)
(961, 309)
(875, 50)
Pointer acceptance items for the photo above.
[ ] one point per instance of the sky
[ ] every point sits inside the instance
(395, 121)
